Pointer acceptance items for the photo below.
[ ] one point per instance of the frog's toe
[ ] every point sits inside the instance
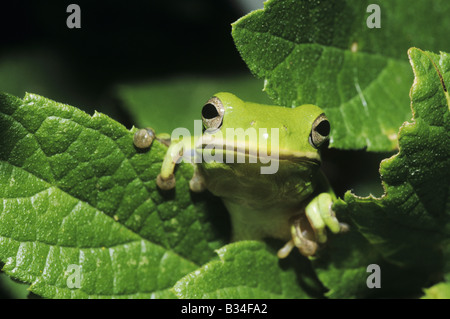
(343, 227)
(165, 183)
(329, 217)
(144, 138)
(197, 184)
(286, 250)
(321, 216)
(317, 219)
(303, 237)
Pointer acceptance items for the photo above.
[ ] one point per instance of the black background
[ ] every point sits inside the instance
(121, 41)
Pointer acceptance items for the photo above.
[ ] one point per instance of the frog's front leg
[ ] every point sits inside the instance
(166, 178)
(309, 229)
(177, 150)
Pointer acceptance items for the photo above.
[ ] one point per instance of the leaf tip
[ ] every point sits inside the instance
(96, 114)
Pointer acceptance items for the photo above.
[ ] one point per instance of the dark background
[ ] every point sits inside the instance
(118, 41)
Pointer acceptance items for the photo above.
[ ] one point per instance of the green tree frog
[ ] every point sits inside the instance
(291, 200)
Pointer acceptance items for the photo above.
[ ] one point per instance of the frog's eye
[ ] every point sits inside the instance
(212, 113)
(320, 131)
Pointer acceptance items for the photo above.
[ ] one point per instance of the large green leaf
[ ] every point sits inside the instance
(246, 269)
(75, 191)
(414, 214)
(323, 52)
(409, 223)
(342, 266)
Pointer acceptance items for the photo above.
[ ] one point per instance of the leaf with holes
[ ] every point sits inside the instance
(78, 199)
(324, 53)
(410, 221)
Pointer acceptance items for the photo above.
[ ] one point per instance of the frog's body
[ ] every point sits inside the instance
(291, 201)
(263, 209)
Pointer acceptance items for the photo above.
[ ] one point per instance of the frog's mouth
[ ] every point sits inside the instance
(253, 155)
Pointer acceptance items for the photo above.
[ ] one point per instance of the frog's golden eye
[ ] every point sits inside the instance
(319, 131)
(212, 113)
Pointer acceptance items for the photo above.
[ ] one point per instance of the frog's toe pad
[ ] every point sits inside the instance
(286, 250)
(144, 138)
(307, 247)
(343, 227)
(197, 184)
(165, 183)
(303, 237)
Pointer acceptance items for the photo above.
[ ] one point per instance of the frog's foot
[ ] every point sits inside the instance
(321, 216)
(309, 230)
(197, 182)
(165, 183)
(302, 238)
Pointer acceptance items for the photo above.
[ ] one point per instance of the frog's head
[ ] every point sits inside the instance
(280, 147)
(300, 131)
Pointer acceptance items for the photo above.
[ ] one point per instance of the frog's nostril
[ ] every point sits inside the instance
(209, 111)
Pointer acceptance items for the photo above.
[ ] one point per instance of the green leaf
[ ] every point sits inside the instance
(406, 230)
(438, 291)
(408, 224)
(246, 269)
(166, 105)
(75, 191)
(342, 266)
(322, 52)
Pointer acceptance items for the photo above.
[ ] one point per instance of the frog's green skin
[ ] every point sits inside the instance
(294, 204)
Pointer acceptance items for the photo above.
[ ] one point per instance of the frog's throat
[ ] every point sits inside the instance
(279, 154)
